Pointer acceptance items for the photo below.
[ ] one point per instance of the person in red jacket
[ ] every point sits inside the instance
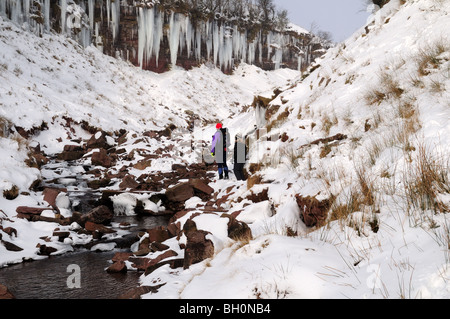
(220, 145)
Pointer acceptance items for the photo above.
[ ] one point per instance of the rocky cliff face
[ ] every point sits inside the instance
(156, 35)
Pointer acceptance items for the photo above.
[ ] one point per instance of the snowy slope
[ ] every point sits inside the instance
(51, 79)
(44, 80)
(49, 75)
(393, 108)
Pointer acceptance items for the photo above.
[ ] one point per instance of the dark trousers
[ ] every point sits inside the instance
(239, 171)
(223, 167)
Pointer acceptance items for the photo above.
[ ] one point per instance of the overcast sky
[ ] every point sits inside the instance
(339, 17)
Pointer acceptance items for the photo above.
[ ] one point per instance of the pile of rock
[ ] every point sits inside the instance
(153, 253)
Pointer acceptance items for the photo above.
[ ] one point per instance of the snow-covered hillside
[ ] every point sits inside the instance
(364, 136)
(49, 81)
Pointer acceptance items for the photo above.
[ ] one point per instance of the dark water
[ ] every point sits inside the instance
(48, 278)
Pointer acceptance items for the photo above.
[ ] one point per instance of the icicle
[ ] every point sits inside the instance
(115, 18)
(209, 40)
(300, 62)
(158, 34)
(198, 41)
(98, 39)
(188, 29)
(216, 42)
(15, 11)
(108, 11)
(146, 32)
(174, 37)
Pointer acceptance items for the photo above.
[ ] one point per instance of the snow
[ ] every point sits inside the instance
(406, 257)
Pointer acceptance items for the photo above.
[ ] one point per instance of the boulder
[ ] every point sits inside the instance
(144, 263)
(117, 267)
(238, 230)
(45, 250)
(128, 182)
(36, 160)
(5, 293)
(99, 228)
(201, 186)
(101, 158)
(61, 235)
(98, 140)
(313, 212)
(180, 193)
(10, 246)
(50, 195)
(159, 234)
(71, 153)
(121, 256)
(26, 212)
(198, 248)
(99, 215)
(143, 164)
(12, 193)
(157, 246)
(9, 230)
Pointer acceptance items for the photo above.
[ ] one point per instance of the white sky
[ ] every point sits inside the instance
(340, 17)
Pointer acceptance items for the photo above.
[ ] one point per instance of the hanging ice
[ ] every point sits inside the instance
(115, 18)
(150, 34)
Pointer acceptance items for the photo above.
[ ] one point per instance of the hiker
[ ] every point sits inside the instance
(240, 157)
(220, 144)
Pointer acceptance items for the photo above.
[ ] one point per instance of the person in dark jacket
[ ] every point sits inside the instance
(220, 144)
(240, 156)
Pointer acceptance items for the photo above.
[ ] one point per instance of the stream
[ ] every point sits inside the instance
(51, 278)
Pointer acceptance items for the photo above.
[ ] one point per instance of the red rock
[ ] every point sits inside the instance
(5, 293)
(98, 140)
(180, 193)
(198, 248)
(117, 267)
(201, 186)
(101, 158)
(9, 230)
(50, 195)
(99, 215)
(159, 234)
(128, 182)
(46, 250)
(144, 263)
(72, 148)
(313, 212)
(25, 212)
(121, 256)
(92, 227)
(174, 229)
(10, 246)
(142, 165)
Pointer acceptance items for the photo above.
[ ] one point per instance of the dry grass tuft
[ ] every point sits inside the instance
(426, 178)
